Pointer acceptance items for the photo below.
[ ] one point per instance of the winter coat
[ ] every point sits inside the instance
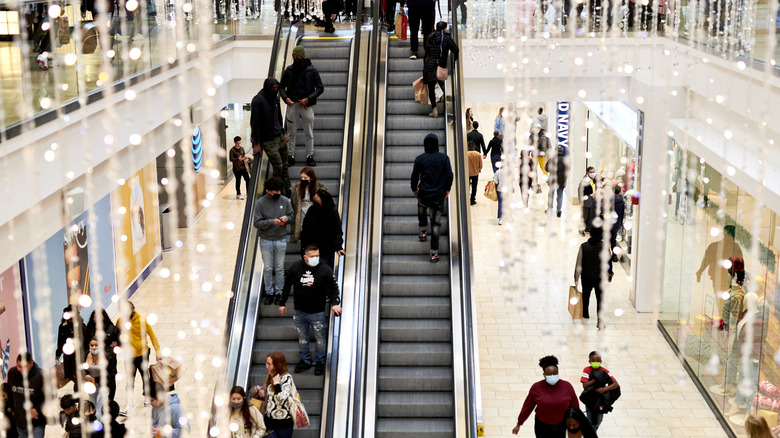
(266, 117)
(171, 414)
(558, 169)
(437, 48)
(289, 87)
(256, 423)
(298, 215)
(432, 176)
(35, 391)
(322, 227)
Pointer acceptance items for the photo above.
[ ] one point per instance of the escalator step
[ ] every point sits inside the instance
(406, 286)
(415, 379)
(403, 245)
(415, 405)
(410, 227)
(406, 427)
(427, 354)
(420, 330)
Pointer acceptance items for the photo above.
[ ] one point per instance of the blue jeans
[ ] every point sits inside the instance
(38, 432)
(500, 202)
(551, 194)
(597, 422)
(284, 433)
(273, 264)
(493, 160)
(316, 321)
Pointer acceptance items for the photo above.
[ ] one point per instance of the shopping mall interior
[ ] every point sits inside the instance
(626, 147)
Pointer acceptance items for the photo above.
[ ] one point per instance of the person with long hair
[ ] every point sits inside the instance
(279, 389)
(498, 125)
(302, 198)
(322, 227)
(576, 425)
(469, 120)
(68, 331)
(551, 398)
(757, 427)
(438, 46)
(246, 421)
(111, 340)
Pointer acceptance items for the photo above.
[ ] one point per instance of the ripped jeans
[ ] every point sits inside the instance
(303, 321)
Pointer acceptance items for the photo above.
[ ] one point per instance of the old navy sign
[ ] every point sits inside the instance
(562, 123)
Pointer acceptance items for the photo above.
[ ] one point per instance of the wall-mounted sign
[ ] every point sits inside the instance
(562, 124)
(197, 149)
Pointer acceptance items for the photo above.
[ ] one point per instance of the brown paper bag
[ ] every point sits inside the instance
(575, 303)
(420, 91)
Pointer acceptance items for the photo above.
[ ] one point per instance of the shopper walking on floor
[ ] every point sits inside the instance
(588, 270)
(575, 425)
(438, 46)
(322, 227)
(241, 165)
(498, 124)
(501, 181)
(300, 87)
(420, 12)
(619, 207)
(587, 195)
(302, 199)
(268, 131)
(280, 387)
(431, 182)
(272, 215)
(495, 148)
(475, 167)
(551, 398)
(68, 332)
(558, 169)
(598, 385)
(248, 420)
(475, 136)
(315, 289)
(139, 334)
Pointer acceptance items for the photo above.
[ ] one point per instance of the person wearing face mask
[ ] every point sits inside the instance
(92, 373)
(576, 425)
(246, 421)
(599, 389)
(587, 192)
(314, 287)
(300, 87)
(322, 227)
(550, 397)
(302, 199)
(268, 132)
(271, 217)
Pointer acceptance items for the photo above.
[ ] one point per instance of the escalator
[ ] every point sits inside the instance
(415, 375)
(276, 332)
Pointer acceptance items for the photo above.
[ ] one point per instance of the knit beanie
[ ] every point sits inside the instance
(300, 51)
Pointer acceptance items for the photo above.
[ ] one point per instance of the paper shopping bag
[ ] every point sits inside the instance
(575, 303)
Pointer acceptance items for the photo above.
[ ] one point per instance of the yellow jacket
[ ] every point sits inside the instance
(131, 335)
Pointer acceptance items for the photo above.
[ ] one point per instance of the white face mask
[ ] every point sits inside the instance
(95, 351)
(314, 261)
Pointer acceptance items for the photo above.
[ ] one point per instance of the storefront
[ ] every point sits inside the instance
(727, 335)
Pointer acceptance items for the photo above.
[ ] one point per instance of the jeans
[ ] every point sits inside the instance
(241, 174)
(284, 433)
(474, 180)
(594, 418)
(276, 151)
(38, 431)
(434, 209)
(328, 258)
(417, 15)
(432, 91)
(137, 367)
(500, 202)
(495, 158)
(315, 321)
(589, 285)
(550, 198)
(306, 115)
(273, 252)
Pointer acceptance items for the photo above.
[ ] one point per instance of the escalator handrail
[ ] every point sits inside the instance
(468, 399)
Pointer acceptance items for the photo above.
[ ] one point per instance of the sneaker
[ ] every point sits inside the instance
(434, 113)
(434, 258)
(559, 214)
(600, 325)
(278, 300)
(331, 31)
(269, 299)
(310, 161)
(43, 62)
(473, 202)
(291, 161)
(301, 367)
(319, 368)
(501, 222)
(614, 258)
(423, 236)
(414, 55)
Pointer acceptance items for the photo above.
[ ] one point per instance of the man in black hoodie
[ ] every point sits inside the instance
(301, 86)
(431, 183)
(267, 129)
(33, 390)
(314, 286)
(588, 268)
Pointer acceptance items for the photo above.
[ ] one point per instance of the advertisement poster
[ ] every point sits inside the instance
(136, 225)
(11, 320)
(88, 265)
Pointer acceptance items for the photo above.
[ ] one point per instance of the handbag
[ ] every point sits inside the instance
(575, 303)
(490, 191)
(297, 411)
(420, 91)
(441, 72)
(401, 24)
(63, 30)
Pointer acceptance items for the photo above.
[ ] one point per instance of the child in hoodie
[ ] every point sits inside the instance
(166, 411)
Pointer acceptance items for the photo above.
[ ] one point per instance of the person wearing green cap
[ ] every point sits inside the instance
(300, 87)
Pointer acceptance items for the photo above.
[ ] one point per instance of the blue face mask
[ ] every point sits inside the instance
(591, 175)
(314, 261)
(552, 380)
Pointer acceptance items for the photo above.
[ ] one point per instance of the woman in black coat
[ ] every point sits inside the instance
(111, 340)
(67, 331)
(322, 227)
(438, 45)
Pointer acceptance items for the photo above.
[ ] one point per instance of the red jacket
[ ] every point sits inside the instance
(550, 401)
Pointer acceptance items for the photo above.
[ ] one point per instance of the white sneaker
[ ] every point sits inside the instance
(42, 61)
(241, 197)
(500, 222)
(414, 56)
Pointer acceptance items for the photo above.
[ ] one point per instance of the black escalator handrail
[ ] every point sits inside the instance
(463, 310)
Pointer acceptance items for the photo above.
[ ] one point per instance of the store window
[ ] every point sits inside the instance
(719, 301)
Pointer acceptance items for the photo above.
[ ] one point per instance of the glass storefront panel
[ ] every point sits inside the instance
(727, 332)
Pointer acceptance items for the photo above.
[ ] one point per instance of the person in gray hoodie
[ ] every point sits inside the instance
(167, 411)
(272, 214)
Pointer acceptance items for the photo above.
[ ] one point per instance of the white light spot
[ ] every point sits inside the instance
(731, 170)
(171, 152)
(714, 231)
(129, 94)
(727, 134)
(135, 139)
(151, 319)
(131, 5)
(582, 94)
(55, 11)
(48, 156)
(618, 312)
(45, 103)
(134, 53)
(71, 59)
(85, 301)
(200, 247)
(165, 273)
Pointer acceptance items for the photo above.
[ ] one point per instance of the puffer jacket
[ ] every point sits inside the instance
(438, 46)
